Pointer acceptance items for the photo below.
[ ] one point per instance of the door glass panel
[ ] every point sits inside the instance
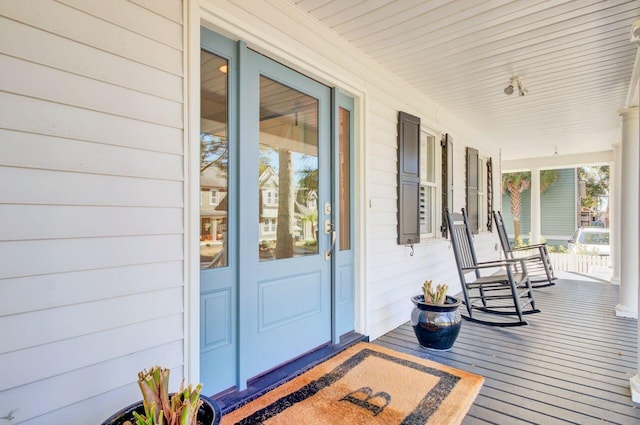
(288, 172)
(213, 161)
(345, 172)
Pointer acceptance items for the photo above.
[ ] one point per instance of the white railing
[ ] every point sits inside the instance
(576, 262)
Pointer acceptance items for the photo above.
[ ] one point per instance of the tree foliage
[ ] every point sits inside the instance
(213, 151)
(596, 184)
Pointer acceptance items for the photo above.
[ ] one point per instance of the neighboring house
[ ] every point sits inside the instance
(101, 198)
(213, 204)
(268, 204)
(305, 209)
(558, 209)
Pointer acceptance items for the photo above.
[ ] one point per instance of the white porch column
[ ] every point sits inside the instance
(615, 196)
(630, 133)
(629, 222)
(535, 206)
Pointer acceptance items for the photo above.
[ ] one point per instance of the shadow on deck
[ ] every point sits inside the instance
(571, 364)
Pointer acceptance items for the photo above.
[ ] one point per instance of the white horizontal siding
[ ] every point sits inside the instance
(29, 186)
(41, 82)
(28, 258)
(94, 31)
(84, 350)
(65, 289)
(54, 119)
(36, 222)
(91, 204)
(39, 46)
(55, 153)
(135, 18)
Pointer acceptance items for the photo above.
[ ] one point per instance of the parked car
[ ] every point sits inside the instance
(590, 240)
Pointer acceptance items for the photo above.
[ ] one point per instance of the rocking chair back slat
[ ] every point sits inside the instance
(502, 234)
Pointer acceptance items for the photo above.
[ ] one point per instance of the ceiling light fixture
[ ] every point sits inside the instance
(515, 81)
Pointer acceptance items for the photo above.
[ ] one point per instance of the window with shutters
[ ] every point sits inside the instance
(428, 185)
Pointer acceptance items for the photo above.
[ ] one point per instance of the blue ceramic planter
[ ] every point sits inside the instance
(436, 326)
(208, 414)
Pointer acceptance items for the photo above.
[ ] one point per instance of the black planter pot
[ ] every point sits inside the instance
(436, 326)
(208, 414)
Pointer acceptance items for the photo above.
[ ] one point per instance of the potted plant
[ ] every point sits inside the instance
(435, 317)
(158, 407)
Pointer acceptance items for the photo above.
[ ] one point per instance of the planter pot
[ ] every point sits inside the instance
(208, 414)
(436, 326)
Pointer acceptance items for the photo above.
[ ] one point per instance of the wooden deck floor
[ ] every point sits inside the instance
(570, 365)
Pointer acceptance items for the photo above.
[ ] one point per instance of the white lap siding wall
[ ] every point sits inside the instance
(91, 204)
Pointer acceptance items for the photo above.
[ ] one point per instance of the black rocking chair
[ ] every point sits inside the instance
(506, 293)
(538, 265)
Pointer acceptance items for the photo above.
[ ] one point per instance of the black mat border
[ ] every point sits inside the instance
(420, 415)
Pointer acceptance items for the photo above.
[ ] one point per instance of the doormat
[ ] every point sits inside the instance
(366, 384)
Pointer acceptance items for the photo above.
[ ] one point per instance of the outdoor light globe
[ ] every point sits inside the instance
(509, 89)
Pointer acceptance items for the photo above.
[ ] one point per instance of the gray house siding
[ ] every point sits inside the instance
(558, 210)
(558, 205)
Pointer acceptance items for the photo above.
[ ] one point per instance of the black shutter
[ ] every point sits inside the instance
(472, 188)
(489, 194)
(446, 144)
(408, 179)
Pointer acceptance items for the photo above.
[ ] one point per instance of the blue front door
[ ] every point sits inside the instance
(285, 279)
(266, 215)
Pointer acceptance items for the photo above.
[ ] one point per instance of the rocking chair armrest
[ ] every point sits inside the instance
(524, 248)
(508, 263)
(529, 257)
(488, 265)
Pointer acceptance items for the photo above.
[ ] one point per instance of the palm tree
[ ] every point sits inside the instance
(515, 184)
(284, 231)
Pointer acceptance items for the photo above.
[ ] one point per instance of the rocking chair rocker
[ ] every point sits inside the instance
(538, 265)
(506, 293)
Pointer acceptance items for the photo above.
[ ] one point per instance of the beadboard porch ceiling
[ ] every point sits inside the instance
(575, 58)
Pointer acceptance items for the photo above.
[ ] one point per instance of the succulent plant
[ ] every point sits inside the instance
(437, 296)
(159, 409)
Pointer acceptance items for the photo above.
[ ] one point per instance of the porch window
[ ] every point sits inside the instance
(428, 185)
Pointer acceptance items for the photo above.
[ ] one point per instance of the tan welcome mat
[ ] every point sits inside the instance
(366, 384)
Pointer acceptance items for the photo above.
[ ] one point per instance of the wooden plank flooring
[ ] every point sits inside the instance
(570, 365)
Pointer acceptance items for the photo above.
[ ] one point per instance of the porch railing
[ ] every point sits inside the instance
(577, 262)
(571, 262)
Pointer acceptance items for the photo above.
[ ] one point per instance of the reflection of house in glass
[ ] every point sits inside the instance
(213, 217)
(305, 210)
(213, 204)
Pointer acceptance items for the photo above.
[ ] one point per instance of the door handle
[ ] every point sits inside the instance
(327, 253)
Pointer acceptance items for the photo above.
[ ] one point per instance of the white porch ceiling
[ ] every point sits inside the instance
(574, 57)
